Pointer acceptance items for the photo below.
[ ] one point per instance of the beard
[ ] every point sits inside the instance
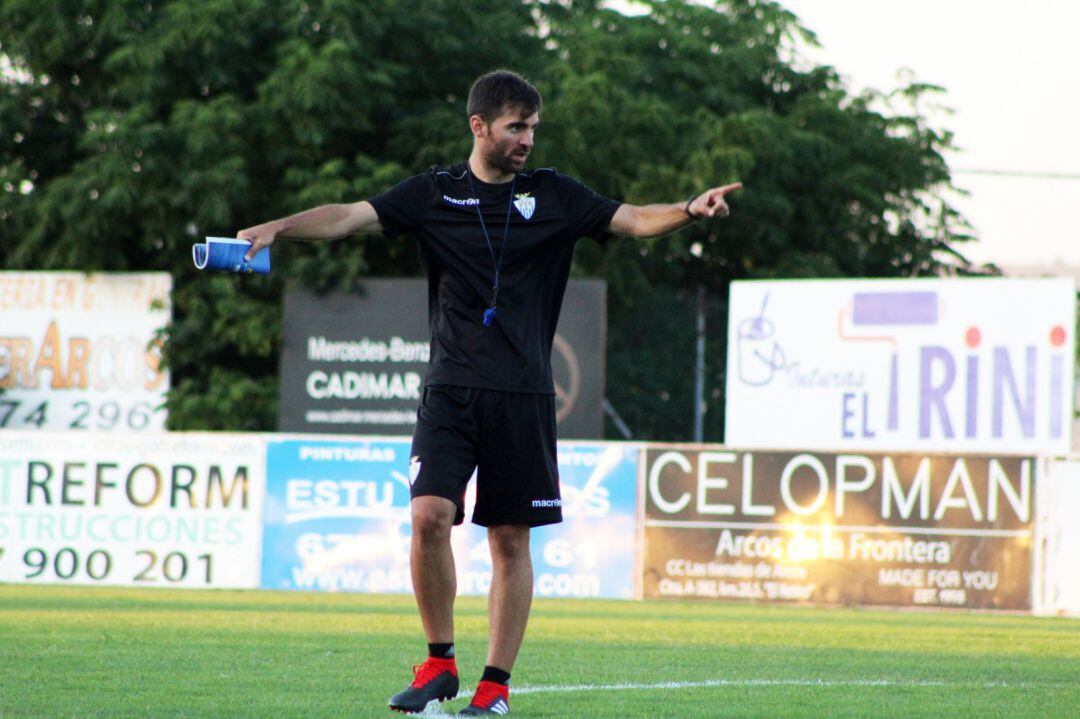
(507, 163)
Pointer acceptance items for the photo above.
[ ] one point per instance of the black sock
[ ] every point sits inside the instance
(441, 651)
(494, 674)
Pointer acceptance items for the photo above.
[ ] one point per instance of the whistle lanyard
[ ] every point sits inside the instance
(489, 313)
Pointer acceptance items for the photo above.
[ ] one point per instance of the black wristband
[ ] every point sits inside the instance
(686, 209)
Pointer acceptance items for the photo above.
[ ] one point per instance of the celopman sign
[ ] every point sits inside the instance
(355, 363)
(891, 529)
(967, 365)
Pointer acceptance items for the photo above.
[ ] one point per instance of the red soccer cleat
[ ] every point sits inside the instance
(436, 680)
(491, 699)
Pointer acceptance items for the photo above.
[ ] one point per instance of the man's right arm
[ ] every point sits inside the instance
(327, 222)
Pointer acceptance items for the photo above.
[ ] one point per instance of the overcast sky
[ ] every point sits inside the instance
(1010, 70)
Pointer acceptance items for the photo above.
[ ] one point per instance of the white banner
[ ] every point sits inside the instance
(82, 352)
(1057, 539)
(175, 510)
(958, 365)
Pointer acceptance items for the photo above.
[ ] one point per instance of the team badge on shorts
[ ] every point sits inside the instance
(525, 204)
(414, 469)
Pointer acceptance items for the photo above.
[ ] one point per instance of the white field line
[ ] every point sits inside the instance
(433, 708)
(553, 689)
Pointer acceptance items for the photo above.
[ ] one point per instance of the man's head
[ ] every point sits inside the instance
(504, 111)
(502, 92)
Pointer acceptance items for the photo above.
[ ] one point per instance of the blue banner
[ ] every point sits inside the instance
(591, 553)
(337, 519)
(337, 516)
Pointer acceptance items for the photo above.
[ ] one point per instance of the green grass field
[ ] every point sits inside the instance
(75, 652)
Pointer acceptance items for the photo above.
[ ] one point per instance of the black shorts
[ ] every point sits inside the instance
(507, 437)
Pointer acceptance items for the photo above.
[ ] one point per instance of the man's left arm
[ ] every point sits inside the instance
(643, 221)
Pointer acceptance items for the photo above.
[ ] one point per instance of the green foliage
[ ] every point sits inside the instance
(131, 129)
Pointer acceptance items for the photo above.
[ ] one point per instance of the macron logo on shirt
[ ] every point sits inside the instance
(468, 202)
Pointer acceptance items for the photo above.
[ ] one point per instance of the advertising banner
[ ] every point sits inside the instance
(1057, 538)
(592, 552)
(957, 365)
(83, 352)
(337, 519)
(171, 510)
(337, 515)
(885, 529)
(354, 363)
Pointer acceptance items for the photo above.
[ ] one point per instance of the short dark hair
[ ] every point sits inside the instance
(500, 90)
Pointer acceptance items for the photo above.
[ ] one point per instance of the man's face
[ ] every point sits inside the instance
(506, 141)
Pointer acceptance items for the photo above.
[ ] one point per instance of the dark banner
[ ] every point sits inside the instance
(354, 363)
(901, 530)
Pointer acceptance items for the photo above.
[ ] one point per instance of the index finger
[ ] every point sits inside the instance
(728, 189)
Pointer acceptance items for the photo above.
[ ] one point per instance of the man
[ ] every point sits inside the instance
(497, 242)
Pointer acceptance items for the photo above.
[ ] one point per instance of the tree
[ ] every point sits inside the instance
(136, 128)
(833, 188)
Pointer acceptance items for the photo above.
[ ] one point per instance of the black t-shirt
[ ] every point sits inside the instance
(549, 213)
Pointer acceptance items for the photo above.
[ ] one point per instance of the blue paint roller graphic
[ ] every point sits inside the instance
(760, 355)
(894, 309)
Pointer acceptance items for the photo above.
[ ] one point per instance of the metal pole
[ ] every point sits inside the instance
(624, 430)
(699, 369)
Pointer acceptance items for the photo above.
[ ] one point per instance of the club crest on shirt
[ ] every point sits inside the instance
(525, 204)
